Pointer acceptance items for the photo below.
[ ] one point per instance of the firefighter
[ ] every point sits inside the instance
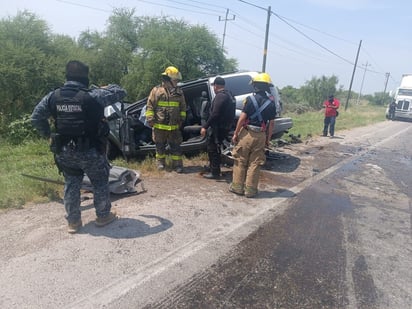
(79, 141)
(253, 132)
(165, 113)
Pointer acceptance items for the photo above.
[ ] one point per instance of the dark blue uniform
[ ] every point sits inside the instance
(76, 161)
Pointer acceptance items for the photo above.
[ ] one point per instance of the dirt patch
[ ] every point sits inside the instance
(286, 166)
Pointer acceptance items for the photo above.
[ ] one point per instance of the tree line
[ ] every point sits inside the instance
(132, 51)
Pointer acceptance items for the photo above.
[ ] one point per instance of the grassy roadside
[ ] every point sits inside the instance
(311, 124)
(34, 157)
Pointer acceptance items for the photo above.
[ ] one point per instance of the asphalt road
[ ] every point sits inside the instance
(330, 229)
(344, 242)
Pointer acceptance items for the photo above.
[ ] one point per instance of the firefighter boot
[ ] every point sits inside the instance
(178, 166)
(250, 191)
(161, 163)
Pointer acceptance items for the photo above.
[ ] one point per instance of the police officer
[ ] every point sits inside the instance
(253, 132)
(165, 113)
(79, 140)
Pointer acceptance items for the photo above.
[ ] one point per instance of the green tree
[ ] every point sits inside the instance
(32, 63)
(23, 62)
(163, 42)
(315, 91)
(123, 29)
(111, 52)
(378, 98)
(291, 100)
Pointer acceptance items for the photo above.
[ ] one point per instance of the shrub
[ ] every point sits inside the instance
(21, 130)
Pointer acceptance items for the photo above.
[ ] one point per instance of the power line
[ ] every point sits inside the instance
(208, 5)
(320, 31)
(85, 6)
(247, 30)
(196, 6)
(177, 8)
(370, 56)
(256, 6)
(309, 38)
(278, 38)
(284, 19)
(206, 8)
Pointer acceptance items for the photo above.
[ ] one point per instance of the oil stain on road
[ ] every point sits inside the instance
(297, 260)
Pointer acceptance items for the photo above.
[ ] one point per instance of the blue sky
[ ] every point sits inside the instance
(307, 38)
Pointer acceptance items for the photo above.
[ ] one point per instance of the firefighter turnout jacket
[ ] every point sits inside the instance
(166, 107)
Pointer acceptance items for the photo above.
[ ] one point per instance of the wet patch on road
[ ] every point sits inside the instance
(295, 165)
(364, 287)
(297, 260)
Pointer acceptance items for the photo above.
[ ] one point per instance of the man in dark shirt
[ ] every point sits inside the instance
(218, 125)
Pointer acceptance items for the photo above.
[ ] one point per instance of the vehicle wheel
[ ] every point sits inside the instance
(226, 155)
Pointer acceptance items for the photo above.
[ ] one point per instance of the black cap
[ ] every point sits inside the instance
(219, 81)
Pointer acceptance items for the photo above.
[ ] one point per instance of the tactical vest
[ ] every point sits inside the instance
(76, 113)
(229, 111)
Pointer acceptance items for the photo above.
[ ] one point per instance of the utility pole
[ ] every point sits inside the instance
(363, 79)
(226, 20)
(386, 84)
(353, 74)
(265, 50)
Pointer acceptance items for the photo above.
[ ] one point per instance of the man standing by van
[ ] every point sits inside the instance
(220, 121)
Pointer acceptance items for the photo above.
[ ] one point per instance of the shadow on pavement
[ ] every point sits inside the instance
(128, 227)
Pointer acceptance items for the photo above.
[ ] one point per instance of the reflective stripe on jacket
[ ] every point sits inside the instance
(166, 108)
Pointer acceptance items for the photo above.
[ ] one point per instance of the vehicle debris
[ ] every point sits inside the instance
(121, 181)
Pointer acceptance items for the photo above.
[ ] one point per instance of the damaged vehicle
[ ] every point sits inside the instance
(130, 137)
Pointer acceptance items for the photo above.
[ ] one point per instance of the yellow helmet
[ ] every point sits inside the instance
(262, 78)
(173, 73)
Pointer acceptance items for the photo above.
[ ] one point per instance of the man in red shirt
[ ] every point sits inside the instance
(331, 112)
